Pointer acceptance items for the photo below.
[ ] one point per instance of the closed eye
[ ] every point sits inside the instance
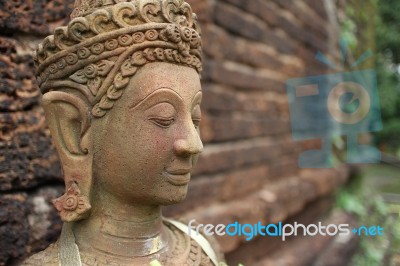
(196, 122)
(162, 122)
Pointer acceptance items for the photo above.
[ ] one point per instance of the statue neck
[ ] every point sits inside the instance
(121, 231)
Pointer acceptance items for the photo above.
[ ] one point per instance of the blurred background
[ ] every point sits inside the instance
(249, 170)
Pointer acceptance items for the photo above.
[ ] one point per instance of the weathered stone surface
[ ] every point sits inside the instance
(18, 88)
(44, 221)
(14, 228)
(28, 223)
(32, 15)
(29, 158)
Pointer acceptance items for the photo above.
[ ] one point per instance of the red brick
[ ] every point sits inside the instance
(222, 157)
(220, 98)
(296, 251)
(296, 32)
(201, 192)
(251, 53)
(264, 10)
(273, 15)
(318, 7)
(326, 181)
(284, 166)
(203, 8)
(252, 27)
(243, 182)
(243, 77)
(238, 22)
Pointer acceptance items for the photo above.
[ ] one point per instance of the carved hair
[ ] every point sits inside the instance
(108, 40)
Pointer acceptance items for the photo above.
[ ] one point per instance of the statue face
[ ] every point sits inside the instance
(146, 146)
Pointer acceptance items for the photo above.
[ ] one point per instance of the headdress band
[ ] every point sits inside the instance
(106, 42)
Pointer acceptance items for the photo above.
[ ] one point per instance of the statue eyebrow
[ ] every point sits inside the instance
(196, 96)
(157, 91)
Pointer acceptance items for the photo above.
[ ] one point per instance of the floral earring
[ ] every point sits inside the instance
(72, 206)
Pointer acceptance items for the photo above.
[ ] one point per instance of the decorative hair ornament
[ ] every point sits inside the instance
(106, 42)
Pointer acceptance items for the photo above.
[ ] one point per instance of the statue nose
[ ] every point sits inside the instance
(189, 145)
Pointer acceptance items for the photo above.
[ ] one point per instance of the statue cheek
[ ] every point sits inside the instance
(158, 140)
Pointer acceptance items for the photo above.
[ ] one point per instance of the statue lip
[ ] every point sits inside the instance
(179, 171)
(178, 177)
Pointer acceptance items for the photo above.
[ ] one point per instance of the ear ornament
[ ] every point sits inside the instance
(72, 206)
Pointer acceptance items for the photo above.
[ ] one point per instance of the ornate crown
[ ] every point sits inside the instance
(108, 40)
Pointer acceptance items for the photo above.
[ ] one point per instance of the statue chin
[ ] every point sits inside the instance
(177, 197)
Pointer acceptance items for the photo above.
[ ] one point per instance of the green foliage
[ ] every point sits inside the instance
(389, 88)
(388, 34)
(388, 60)
(350, 203)
(348, 31)
(390, 135)
(370, 209)
(374, 25)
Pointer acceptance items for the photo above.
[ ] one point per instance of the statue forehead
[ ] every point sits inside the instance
(182, 80)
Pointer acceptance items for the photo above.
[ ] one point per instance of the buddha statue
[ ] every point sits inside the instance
(121, 93)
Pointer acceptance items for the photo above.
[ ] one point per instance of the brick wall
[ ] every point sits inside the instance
(248, 171)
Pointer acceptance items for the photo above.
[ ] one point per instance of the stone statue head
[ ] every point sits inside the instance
(121, 94)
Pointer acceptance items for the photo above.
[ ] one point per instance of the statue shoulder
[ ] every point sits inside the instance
(211, 241)
(49, 256)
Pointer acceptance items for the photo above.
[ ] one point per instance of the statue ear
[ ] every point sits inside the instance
(69, 120)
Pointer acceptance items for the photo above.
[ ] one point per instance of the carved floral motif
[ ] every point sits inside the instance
(72, 204)
(125, 14)
(108, 39)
